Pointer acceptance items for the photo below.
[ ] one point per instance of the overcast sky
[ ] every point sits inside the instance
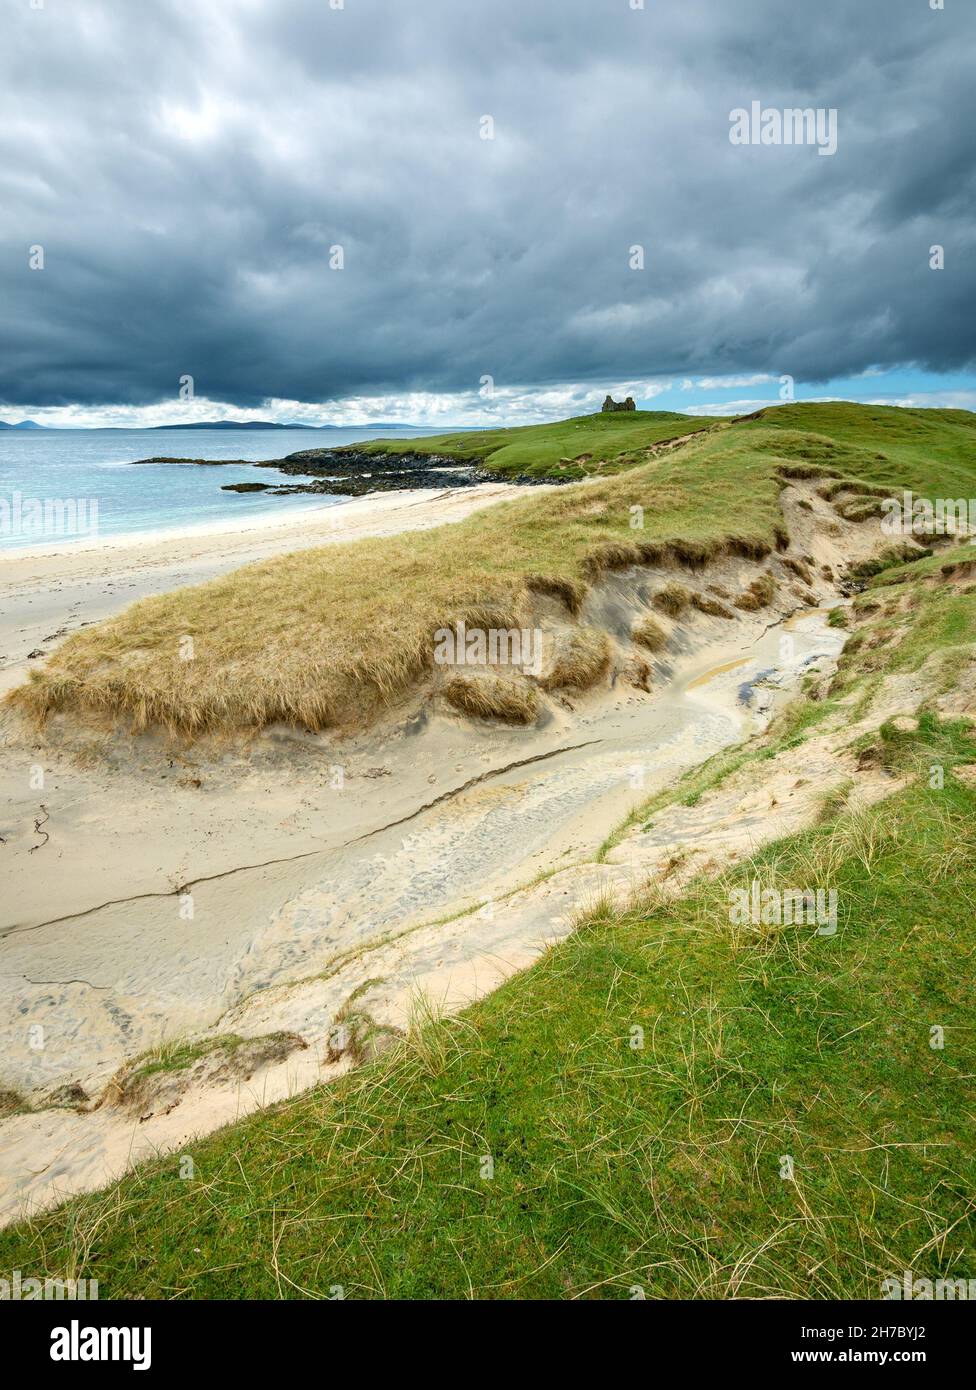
(186, 168)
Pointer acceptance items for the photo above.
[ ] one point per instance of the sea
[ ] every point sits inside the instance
(65, 488)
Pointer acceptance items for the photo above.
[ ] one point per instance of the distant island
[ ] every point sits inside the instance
(221, 425)
(232, 425)
(274, 425)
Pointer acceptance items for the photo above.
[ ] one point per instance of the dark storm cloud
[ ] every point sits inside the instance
(187, 167)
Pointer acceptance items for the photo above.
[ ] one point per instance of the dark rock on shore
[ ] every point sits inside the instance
(333, 463)
(354, 472)
(200, 463)
(351, 472)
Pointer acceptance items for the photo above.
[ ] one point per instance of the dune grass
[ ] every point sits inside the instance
(583, 662)
(328, 638)
(649, 633)
(620, 1116)
(673, 599)
(490, 696)
(711, 606)
(759, 594)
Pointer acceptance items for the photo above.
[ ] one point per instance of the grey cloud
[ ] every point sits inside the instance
(187, 167)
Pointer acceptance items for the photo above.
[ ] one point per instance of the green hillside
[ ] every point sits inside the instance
(933, 451)
(572, 448)
(614, 1168)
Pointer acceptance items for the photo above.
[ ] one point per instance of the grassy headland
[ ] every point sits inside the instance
(326, 637)
(581, 447)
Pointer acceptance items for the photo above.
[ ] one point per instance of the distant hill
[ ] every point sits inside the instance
(218, 425)
(234, 425)
(564, 449)
(273, 425)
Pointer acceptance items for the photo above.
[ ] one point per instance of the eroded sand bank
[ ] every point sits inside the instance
(448, 821)
(153, 894)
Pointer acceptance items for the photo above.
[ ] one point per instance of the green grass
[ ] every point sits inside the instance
(179, 1056)
(932, 567)
(613, 1166)
(12, 1103)
(616, 1166)
(909, 616)
(329, 638)
(930, 452)
(576, 448)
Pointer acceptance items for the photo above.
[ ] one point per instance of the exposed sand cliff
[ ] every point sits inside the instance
(305, 890)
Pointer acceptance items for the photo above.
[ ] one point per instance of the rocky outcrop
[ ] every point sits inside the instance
(350, 472)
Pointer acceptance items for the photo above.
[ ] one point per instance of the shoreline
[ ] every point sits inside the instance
(121, 540)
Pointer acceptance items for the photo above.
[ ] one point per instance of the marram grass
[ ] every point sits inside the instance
(328, 638)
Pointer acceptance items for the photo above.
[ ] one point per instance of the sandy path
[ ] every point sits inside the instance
(149, 895)
(283, 945)
(157, 904)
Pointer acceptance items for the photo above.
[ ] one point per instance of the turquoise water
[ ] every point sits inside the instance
(61, 488)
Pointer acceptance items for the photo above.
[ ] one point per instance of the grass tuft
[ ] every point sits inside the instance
(486, 695)
(673, 599)
(650, 634)
(581, 662)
